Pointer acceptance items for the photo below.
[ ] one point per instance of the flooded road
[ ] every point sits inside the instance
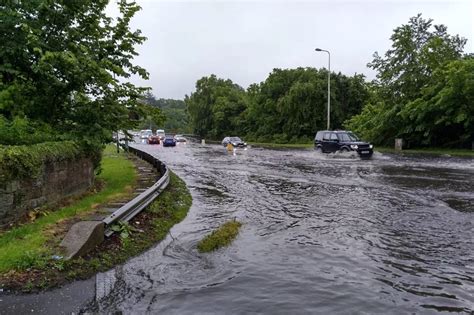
(320, 234)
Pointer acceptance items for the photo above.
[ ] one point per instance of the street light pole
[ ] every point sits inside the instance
(329, 84)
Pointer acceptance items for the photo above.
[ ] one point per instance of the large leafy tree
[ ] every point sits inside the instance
(420, 52)
(216, 107)
(291, 104)
(444, 113)
(418, 49)
(65, 64)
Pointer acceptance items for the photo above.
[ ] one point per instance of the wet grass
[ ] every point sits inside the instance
(144, 231)
(429, 151)
(221, 237)
(29, 244)
(283, 145)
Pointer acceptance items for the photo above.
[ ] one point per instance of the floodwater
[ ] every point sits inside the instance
(321, 234)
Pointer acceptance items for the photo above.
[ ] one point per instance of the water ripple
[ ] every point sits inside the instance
(321, 234)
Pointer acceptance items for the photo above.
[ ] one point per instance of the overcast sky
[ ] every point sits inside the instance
(245, 40)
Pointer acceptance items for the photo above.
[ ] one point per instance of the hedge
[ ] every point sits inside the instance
(26, 161)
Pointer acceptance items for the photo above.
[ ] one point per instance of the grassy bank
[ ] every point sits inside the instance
(221, 237)
(147, 228)
(283, 145)
(28, 244)
(429, 151)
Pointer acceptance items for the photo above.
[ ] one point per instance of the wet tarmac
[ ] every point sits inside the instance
(322, 234)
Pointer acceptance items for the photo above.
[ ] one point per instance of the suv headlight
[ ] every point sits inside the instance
(354, 146)
(371, 146)
(234, 144)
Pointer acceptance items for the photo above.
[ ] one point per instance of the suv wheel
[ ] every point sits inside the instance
(344, 150)
(318, 150)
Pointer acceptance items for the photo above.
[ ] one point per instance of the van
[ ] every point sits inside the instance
(161, 133)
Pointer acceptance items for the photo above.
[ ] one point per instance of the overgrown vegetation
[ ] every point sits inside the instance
(423, 93)
(424, 89)
(149, 227)
(175, 113)
(286, 108)
(64, 66)
(26, 161)
(28, 245)
(221, 237)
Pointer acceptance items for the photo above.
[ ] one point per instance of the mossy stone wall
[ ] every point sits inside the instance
(51, 181)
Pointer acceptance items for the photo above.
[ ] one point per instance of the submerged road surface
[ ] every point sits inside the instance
(321, 234)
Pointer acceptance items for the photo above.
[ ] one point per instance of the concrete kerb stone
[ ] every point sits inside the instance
(82, 237)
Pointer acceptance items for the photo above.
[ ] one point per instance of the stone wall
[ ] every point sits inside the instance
(56, 181)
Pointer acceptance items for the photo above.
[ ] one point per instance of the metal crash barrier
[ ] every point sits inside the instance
(136, 205)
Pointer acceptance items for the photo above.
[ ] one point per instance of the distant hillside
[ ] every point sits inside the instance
(175, 112)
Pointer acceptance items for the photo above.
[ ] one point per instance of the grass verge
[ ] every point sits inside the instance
(145, 230)
(283, 145)
(27, 245)
(221, 237)
(429, 151)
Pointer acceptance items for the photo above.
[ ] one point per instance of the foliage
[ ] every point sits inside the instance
(148, 116)
(292, 104)
(418, 49)
(175, 113)
(62, 64)
(221, 237)
(167, 210)
(444, 113)
(288, 107)
(124, 229)
(22, 131)
(28, 244)
(422, 92)
(216, 108)
(26, 161)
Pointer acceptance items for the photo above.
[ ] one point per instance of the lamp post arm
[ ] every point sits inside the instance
(329, 85)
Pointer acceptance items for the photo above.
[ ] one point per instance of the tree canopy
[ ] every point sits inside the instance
(62, 65)
(290, 105)
(174, 112)
(421, 91)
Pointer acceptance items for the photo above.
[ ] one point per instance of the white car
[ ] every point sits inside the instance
(144, 134)
(161, 133)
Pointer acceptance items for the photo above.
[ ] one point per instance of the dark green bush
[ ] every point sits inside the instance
(26, 161)
(22, 131)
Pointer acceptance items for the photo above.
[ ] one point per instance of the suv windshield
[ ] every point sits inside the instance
(235, 139)
(352, 136)
(348, 136)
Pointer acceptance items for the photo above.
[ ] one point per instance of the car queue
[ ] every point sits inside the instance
(159, 137)
(325, 141)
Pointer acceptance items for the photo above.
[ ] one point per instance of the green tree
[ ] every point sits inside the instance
(175, 111)
(216, 107)
(62, 63)
(444, 113)
(405, 74)
(291, 104)
(418, 49)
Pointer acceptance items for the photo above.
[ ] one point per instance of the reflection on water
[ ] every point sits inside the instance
(321, 234)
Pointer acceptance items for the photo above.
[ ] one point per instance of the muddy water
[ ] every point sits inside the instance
(321, 234)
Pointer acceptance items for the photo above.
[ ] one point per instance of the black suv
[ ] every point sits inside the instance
(332, 141)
